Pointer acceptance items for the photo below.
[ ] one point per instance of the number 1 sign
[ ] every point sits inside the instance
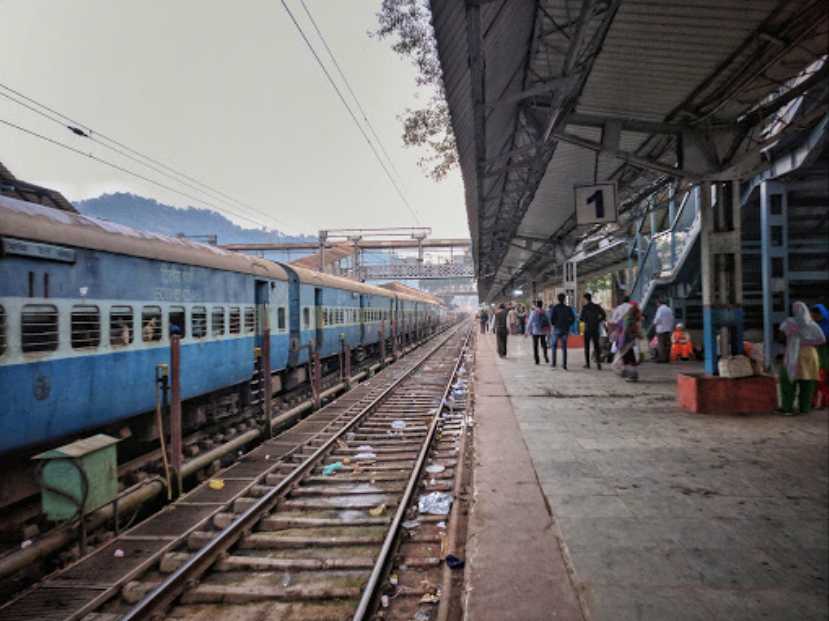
(595, 204)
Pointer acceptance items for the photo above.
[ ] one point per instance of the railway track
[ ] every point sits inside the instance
(218, 442)
(306, 526)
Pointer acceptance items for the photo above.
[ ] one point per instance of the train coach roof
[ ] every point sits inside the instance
(38, 223)
(412, 293)
(313, 277)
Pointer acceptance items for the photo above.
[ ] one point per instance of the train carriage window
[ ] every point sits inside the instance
(339, 316)
(235, 323)
(86, 326)
(198, 322)
(120, 326)
(151, 323)
(280, 318)
(250, 320)
(306, 317)
(217, 317)
(178, 321)
(39, 328)
(2, 330)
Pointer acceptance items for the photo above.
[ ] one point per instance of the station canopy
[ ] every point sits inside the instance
(546, 95)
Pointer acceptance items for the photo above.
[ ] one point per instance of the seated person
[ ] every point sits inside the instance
(681, 345)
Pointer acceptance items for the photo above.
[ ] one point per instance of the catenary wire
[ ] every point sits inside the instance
(80, 132)
(120, 168)
(350, 90)
(350, 112)
(85, 131)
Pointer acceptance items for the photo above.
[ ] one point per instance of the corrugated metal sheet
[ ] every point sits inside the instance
(13, 187)
(657, 52)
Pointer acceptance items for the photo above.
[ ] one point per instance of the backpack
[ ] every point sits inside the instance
(544, 322)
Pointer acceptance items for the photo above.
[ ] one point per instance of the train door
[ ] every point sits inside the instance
(262, 298)
(318, 317)
(294, 317)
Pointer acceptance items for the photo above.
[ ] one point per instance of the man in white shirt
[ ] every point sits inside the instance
(663, 323)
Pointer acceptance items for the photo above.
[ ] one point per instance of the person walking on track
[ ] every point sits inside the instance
(500, 328)
(561, 318)
(538, 327)
(592, 315)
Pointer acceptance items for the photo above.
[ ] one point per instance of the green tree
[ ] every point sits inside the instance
(407, 23)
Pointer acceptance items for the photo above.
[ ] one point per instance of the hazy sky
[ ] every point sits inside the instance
(227, 92)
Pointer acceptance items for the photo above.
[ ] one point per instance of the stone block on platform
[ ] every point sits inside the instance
(708, 394)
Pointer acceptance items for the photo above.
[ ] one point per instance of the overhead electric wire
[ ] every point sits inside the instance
(120, 168)
(350, 112)
(85, 131)
(350, 90)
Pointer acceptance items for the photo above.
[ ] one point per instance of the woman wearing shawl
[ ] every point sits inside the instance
(801, 367)
(821, 316)
(627, 325)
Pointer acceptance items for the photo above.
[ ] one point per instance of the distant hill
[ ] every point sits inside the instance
(150, 215)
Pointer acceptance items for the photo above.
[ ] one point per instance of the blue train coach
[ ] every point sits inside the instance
(87, 309)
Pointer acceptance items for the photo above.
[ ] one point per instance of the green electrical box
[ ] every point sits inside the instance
(84, 473)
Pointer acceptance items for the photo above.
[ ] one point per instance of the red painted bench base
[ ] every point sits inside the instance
(709, 394)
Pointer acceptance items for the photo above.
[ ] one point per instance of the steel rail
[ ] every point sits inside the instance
(187, 575)
(369, 592)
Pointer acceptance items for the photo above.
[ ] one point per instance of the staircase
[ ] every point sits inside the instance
(670, 264)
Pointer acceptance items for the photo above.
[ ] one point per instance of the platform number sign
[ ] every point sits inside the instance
(596, 204)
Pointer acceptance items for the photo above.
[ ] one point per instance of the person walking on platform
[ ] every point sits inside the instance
(500, 329)
(512, 319)
(483, 317)
(592, 315)
(663, 324)
(538, 326)
(522, 319)
(561, 318)
(627, 329)
(801, 367)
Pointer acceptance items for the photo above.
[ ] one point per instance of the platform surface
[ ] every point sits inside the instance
(663, 514)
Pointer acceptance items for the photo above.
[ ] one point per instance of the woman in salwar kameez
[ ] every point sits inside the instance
(801, 366)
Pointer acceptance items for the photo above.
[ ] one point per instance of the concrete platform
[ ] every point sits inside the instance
(663, 515)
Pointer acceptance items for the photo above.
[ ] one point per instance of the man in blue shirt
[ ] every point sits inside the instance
(561, 317)
(538, 326)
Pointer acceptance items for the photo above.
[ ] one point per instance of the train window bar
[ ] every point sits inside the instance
(280, 318)
(198, 322)
(120, 326)
(306, 317)
(151, 323)
(250, 320)
(178, 321)
(2, 330)
(235, 322)
(39, 328)
(86, 326)
(218, 319)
